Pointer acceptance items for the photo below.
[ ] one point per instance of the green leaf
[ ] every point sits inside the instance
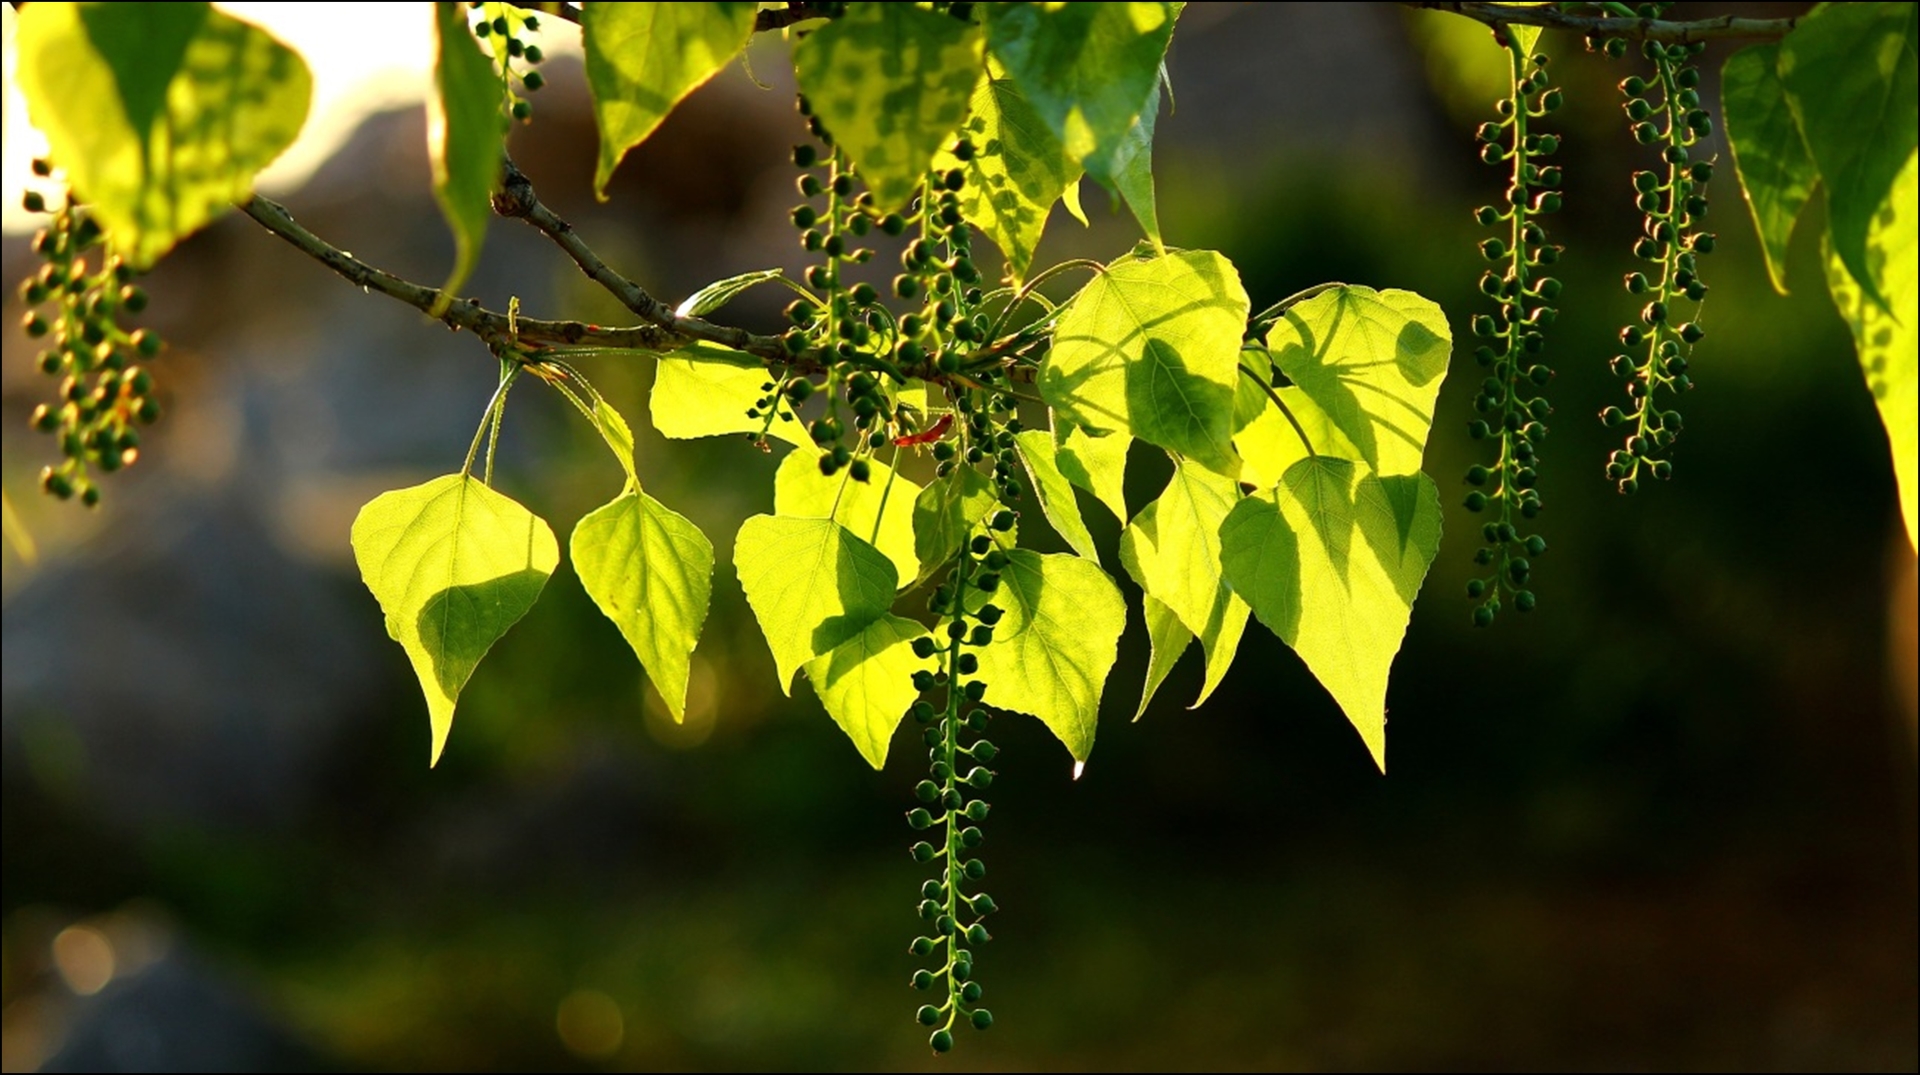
(1853, 81)
(162, 114)
(1019, 169)
(651, 572)
(1096, 464)
(1168, 639)
(1052, 651)
(720, 292)
(1133, 169)
(1331, 561)
(892, 83)
(614, 430)
(1053, 490)
(466, 133)
(1368, 365)
(1885, 338)
(812, 586)
(874, 510)
(1150, 347)
(1172, 549)
(945, 513)
(643, 59)
(1776, 174)
(705, 390)
(866, 683)
(453, 564)
(1088, 69)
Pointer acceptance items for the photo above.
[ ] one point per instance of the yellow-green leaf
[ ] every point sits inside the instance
(1089, 69)
(705, 390)
(1018, 170)
(1096, 464)
(643, 59)
(1331, 561)
(1368, 365)
(866, 683)
(1167, 639)
(651, 572)
(1053, 490)
(1052, 651)
(1886, 338)
(1172, 549)
(466, 132)
(878, 510)
(1150, 347)
(453, 564)
(811, 584)
(162, 114)
(892, 83)
(945, 513)
(1133, 169)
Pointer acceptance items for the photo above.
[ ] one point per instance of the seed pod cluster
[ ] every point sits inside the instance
(75, 300)
(957, 760)
(500, 27)
(1511, 413)
(1657, 347)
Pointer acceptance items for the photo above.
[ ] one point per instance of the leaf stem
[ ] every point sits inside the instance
(1272, 313)
(1284, 410)
(486, 417)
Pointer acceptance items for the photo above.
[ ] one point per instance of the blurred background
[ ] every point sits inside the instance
(1668, 821)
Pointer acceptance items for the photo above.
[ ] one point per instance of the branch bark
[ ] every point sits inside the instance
(501, 333)
(1665, 30)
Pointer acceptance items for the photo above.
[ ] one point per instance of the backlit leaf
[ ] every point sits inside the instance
(866, 683)
(878, 510)
(892, 83)
(466, 133)
(453, 564)
(1853, 80)
(651, 572)
(720, 292)
(1096, 464)
(1331, 561)
(1369, 365)
(1150, 347)
(1167, 639)
(1055, 493)
(812, 586)
(162, 114)
(1776, 174)
(643, 59)
(1886, 338)
(1052, 651)
(1018, 170)
(1133, 169)
(1088, 69)
(705, 390)
(1172, 549)
(945, 513)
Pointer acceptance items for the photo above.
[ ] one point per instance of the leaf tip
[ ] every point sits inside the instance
(1081, 766)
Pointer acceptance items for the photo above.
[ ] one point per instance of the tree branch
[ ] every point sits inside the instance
(1552, 18)
(497, 329)
(517, 199)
